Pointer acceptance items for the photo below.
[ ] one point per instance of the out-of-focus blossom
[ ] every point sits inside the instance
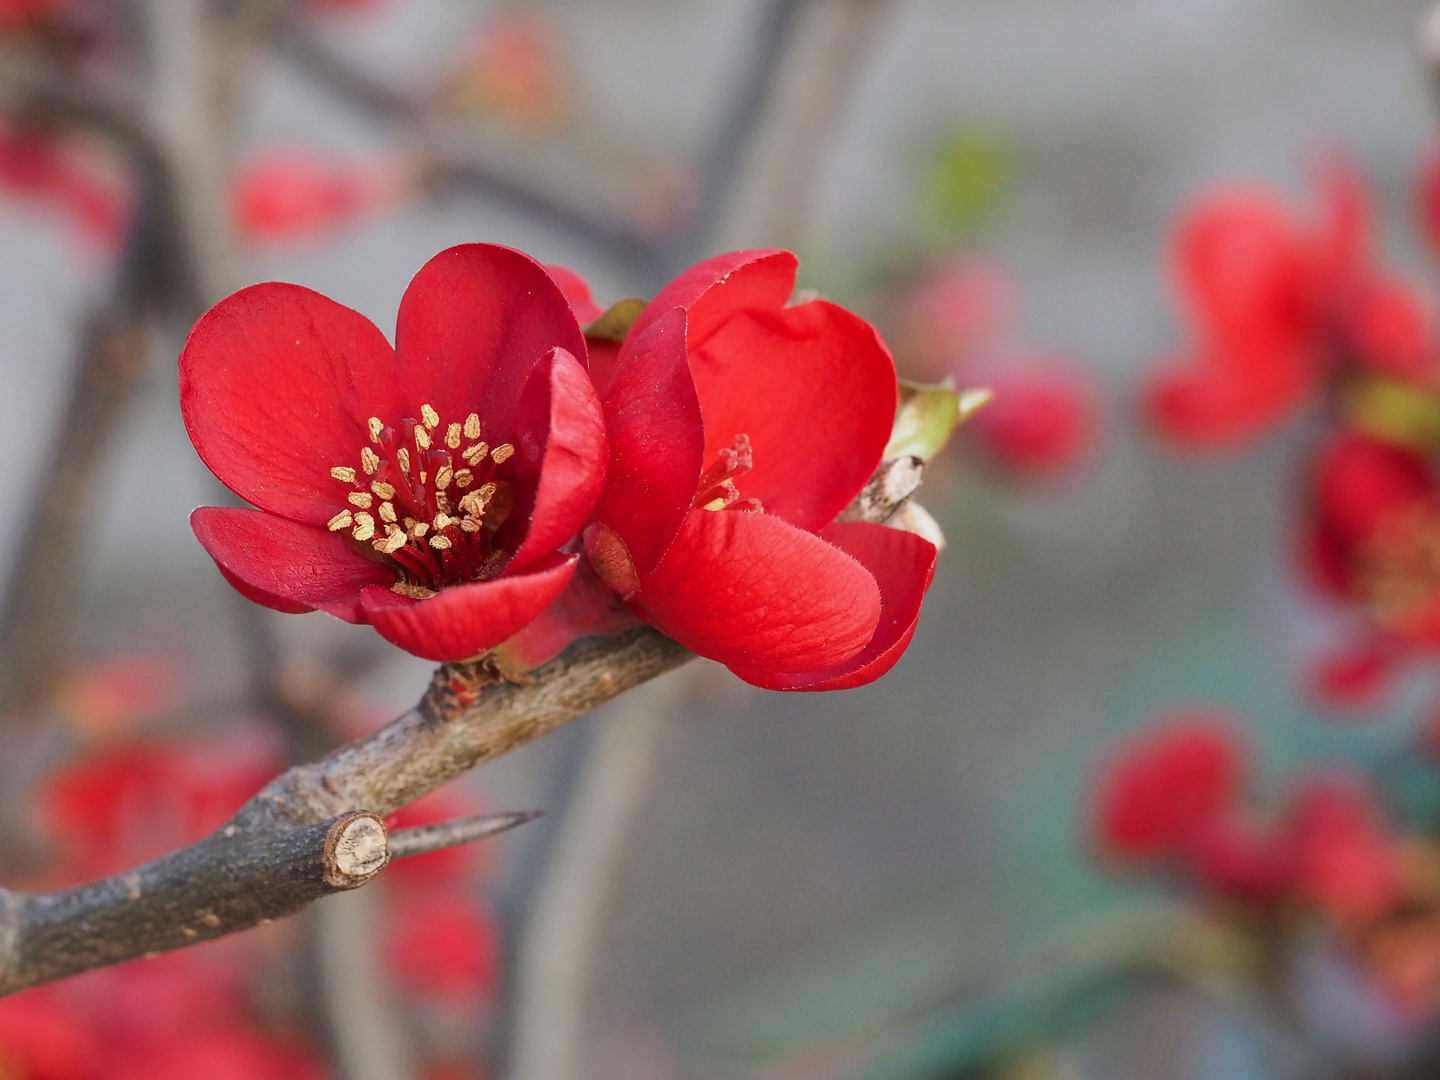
(1163, 788)
(513, 69)
(17, 14)
(1277, 302)
(45, 170)
(1346, 862)
(290, 195)
(957, 314)
(111, 696)
(1043, 422)
(1357, 677)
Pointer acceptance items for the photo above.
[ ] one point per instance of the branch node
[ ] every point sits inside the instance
(356, 849)
(456, 687)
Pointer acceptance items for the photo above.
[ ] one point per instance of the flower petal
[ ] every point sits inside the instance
(285, 565)
(577, 292)
(716, 289)
(467, 620)
(756, 593)
(565, 467)
(814, 388)
(652, 419)
(473, 325)
(903, 566)
(276, 384)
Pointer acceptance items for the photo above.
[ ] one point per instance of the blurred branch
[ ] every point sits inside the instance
(302, 837)
(563, 948)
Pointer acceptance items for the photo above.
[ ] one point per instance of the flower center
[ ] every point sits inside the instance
(426, 504)
(717, 490)
(1399, 567)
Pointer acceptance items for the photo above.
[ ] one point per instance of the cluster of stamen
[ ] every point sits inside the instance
(426, 495)
(1398, 570)
(717, 490)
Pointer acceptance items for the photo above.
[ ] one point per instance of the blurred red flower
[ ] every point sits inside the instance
(423, 489)
(1347, 864)
(1043, 421)
(1277, 303)
(772, 418)
(513, 69)
(45, 170)
(16, 14)
(1170, 786)
(291, 195)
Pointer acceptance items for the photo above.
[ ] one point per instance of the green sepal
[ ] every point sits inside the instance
(928, 416)
(617, 320)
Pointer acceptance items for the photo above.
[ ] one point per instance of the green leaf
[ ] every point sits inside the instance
(967, 174)
(928, 416)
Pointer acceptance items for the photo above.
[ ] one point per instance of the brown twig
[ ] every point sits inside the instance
(292, 843)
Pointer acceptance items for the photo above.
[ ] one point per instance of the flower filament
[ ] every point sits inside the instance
(717, 490)
(427, 505)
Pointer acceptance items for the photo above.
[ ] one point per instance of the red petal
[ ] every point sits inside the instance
(276, 385)
(285, 565)
(1220, 401)
(1361, 482)
(814, 389)
(567, 470)
(473, 325)
(1392, 329)
(657, 442)
(903, 565)
(756, 593)
(577, 292)
(1044, 420)
(467, 620)
(714, 290)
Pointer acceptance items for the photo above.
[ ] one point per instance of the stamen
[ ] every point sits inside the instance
(375, 428)
(387, 512)
(441, 520)
(362, 499)
(369, 460)
(410, 523)
(469, 525)
(463, 478)
(452, 436)
(430, 416)
(342, 520)
(441, 502)
(384, 490)
(476, 454)
(440, 543)
(419, 529)
(364, 527)
(444, 476)
(414, 592)
(403, 457)
(502, 453)
(472, 426)
(343, 473)
(422, 438)
(714, 504)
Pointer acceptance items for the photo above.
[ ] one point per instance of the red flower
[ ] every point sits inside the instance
(1169, 787)
(1375, 522)
(47, 171)
(1347, 863)
(288, 195)
(739, 429)
(1042, 422)
(16, 14)
(1278, 302)
(424, 489)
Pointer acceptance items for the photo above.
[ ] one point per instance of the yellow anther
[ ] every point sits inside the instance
(362, 499)
(442, 502)
(384, 490)
(422, 438)
(409, 523)
(502, 453)
(363, 530)
(444, 476)
(419, 529)
(387, 512)
(393, 540)
(440, 543)
(476, 454)
(344, 473)
(430, 416)
(369, 460)
(714, 504)
(375, 428)
(463, 477)
(469, 525)
(441, 520)
(472, 426)
(403, 456)
(452, 436)
(423, 475)
(342, 520)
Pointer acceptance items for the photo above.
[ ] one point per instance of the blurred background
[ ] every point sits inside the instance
(974, 867)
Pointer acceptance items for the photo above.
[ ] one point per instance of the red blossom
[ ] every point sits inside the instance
(1170, 787)
(17, 14)
(47, 171)
(513, 69)
(1278, 302)
(1347, 864)
(739, 428)
(1043, 421)
(425, 489)
(952, 316)
(290, 195)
